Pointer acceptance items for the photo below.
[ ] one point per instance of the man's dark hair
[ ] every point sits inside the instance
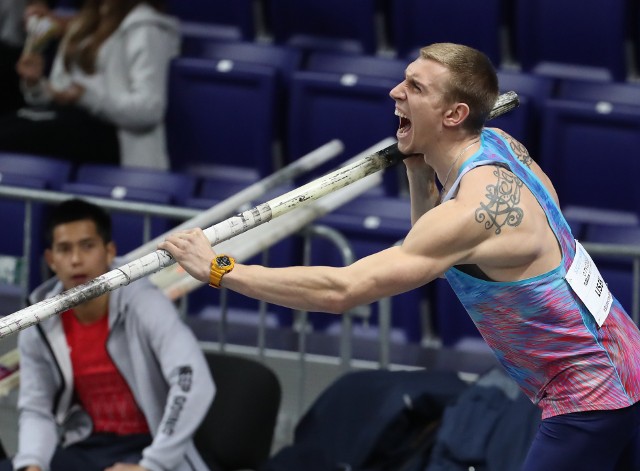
(78, 210)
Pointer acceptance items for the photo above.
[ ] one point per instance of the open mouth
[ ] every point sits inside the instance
(405, 123)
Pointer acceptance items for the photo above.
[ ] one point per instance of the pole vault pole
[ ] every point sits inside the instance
(219, 232)
(227, 207)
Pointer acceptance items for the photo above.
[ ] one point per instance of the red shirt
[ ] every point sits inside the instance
(99, 386)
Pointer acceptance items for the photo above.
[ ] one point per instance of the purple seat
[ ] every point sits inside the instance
(573, 39)
(417, 23)
(231, 20)
(324, 25)
(53, 172)
(221, 113)
(355, 109)
(576, 137)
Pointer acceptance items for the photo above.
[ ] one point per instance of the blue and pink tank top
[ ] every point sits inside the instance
(541, 332)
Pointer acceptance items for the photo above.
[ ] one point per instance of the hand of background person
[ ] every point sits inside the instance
(36, 8)
(30, 68)
(126, 467)
(31, 468)
(69, 96)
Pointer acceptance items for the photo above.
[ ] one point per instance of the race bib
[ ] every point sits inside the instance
(585, 280)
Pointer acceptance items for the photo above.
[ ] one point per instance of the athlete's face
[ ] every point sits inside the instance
(420, 105)
(78, 254)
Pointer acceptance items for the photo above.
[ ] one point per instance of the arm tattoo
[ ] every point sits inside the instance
(521, 152)
(503, 199)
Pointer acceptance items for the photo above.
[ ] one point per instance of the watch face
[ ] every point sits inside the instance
(223, 261)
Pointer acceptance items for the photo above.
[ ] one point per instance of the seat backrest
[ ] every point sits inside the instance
(54, 172)
(372, 223)
(178, 186)
(330, 25)
(358, 64)
(416, 23)
(627, 93)
(238, 430)
(357, 110)
(128, 228)
(221, 113)
(587, 36)
(576, 137)
(13, 215)
(523, 123)
(284, 59)
(238, 15)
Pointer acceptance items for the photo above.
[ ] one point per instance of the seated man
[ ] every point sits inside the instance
(118, 382)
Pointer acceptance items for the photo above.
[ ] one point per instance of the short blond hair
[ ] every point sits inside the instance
(473, 79)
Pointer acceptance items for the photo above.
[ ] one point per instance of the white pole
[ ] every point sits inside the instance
(217, 233)
(227, 207)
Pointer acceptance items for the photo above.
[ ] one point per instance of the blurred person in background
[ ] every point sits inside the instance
(104, 100)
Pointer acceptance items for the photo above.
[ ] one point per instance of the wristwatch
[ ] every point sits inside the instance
(220, 265)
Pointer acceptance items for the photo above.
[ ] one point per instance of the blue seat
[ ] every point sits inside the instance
(573, 39)
(177, 186)
(284, 59)
(128, 228)
(523, 123)
(358, 64)
(356, 110)
(53, 172)
(577, 137)
(617, 272)
(231, 20)
(372, 223)
(221, 113)
(14, 213)
(417, 23)
(627, 93)
(329, 25)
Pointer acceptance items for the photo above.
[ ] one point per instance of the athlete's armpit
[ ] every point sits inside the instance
(502, 205)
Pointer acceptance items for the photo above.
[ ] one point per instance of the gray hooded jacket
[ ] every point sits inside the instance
(156, 353)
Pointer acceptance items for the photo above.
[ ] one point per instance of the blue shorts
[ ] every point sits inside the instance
(605, 440)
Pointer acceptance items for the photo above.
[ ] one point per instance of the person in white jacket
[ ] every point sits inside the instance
(117, 383)
(106, 95)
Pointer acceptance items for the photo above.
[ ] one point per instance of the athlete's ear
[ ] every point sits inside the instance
(456, 114)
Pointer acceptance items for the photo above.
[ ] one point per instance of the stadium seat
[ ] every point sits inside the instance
(14, 212)
(177, 186)
(329, 25)
(617, 272)
(284, 59)
(128, 228)
(627, 93)
(523, 123)
(588, 152)
(231, 20)
(357, 64)
(372, 223)
(221, 113)
(53, 172)
(572, 39)
(357, 110)
(417, 23)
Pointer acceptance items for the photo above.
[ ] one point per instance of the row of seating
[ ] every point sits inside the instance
(370, 223)
(233, 104)
(570, 38)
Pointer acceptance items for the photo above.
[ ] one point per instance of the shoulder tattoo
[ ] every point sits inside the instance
(520, 151)
(501, 208)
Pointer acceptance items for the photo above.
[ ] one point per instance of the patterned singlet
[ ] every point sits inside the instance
(539, 329)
